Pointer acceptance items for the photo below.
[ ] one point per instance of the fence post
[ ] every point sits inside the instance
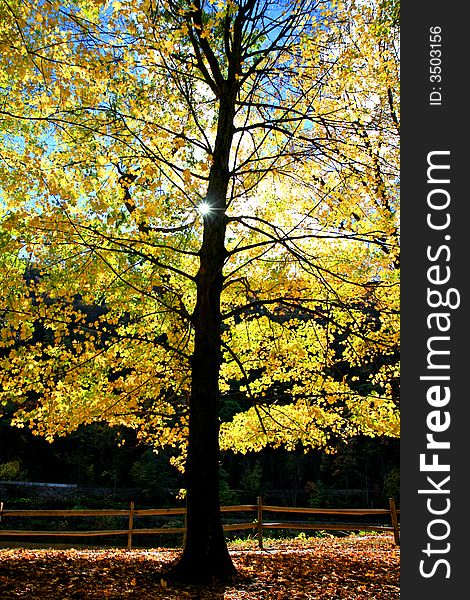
(131, 523)
(393, 516)
(260, 522)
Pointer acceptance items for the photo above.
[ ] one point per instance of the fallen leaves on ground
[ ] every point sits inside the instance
(349, 568)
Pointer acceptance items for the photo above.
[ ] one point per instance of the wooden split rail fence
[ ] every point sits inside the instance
(258, 525)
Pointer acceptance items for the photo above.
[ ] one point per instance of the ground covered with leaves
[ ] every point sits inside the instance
(330, 568)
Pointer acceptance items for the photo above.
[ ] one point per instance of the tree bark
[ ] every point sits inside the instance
(205, 554)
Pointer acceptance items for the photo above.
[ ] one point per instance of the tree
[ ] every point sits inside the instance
(202, 196)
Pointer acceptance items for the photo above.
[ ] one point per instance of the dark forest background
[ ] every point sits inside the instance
(361, 473)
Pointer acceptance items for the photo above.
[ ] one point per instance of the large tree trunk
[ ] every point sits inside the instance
(205, 554)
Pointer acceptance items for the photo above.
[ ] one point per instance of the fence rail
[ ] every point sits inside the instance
(258, 524)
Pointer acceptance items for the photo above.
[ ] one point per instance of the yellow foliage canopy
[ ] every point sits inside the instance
(110, 122)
